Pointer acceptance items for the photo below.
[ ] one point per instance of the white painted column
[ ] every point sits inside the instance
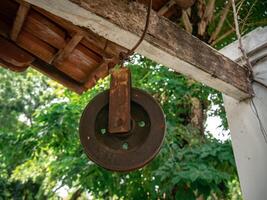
(249, 145)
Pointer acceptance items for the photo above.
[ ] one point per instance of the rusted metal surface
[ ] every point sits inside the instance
(129, 151)
(119, 101)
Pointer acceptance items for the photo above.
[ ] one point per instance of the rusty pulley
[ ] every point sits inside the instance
(122, 129)
(128, 151)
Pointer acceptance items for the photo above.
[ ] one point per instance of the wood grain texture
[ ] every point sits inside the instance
(157, 4)
(91, 40)
(22, 13)
(58, 76)
(120, 101)
(173, 39)
(102, 46)
(14, 57)
(44, 29)
(11, 67)
(35, 46)
(99, 73)
(46, 37)
(79, 64)
(68, 48)
(8, 12)
(122, 22)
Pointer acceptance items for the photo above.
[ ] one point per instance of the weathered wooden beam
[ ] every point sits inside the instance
(122, 22)
(19, 21)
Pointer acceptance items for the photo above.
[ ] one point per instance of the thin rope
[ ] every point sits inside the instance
(125, 56)
(262, 128)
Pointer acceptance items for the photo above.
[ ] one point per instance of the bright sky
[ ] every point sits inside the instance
(212, 126)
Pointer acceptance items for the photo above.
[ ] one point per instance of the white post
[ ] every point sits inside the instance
(250, 147)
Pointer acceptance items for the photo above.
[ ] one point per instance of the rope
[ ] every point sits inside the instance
(125, 56)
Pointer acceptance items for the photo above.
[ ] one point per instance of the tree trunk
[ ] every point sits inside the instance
(197, 115)
(76, 194)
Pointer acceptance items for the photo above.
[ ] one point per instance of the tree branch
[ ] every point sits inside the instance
(218, 29)
(206, 18)
(222, 37)
(186, 21)
(241, 47)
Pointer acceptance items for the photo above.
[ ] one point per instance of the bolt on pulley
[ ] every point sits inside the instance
(122, 129)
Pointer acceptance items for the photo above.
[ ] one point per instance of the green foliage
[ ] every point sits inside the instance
(202, 169)
(40, 150)
(48, 154)
(252, 14)
(20, 96)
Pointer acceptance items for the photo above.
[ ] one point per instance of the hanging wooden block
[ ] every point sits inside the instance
(119, 101)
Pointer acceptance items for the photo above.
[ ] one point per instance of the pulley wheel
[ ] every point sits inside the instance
(123, 152)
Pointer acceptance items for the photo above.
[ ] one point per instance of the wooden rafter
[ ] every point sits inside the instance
(90, 38)
(66, 51)
(58, 76)
(19, 21)
(165, 43)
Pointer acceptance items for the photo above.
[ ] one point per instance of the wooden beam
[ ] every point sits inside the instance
(165, 43)
(67, 50)
(35, 46)
(45, 29)
(19, 21)
(58, 76)
(14, 57)
(100, 72)
(91, 40)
